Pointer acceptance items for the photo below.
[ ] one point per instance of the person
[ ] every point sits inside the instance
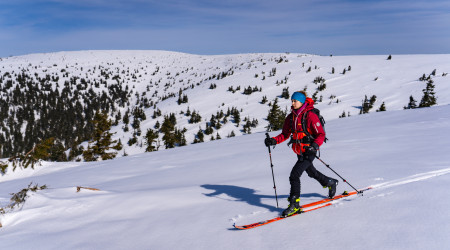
(304, 146)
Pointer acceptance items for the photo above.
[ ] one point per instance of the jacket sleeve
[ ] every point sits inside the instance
(316, 128)
(285, 132)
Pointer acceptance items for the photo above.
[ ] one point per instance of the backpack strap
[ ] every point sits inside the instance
(294, 130)
(305, 130)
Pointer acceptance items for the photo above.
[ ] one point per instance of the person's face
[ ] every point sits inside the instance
(296, 104)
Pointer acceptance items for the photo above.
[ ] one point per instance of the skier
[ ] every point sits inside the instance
(305, 147)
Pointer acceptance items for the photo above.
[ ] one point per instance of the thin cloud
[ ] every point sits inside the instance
(205, 27)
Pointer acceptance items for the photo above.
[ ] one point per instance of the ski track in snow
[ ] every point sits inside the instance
(380, 186)
(413, 178)
(394, 183)
(398, 182)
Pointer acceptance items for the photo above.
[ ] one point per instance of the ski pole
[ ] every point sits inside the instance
(328, 166)
(271, 166)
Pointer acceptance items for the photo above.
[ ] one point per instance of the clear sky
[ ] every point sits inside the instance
(338, 27)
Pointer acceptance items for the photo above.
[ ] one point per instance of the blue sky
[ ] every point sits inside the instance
(338, 27)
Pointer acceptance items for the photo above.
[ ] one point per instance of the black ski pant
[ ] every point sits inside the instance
(304, 163)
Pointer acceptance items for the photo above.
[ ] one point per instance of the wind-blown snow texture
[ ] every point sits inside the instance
(189, 197)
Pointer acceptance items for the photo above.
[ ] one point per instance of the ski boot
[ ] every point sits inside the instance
(293, 208)
(331, 185)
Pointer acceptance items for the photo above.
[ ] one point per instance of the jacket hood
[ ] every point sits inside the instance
(310, 102)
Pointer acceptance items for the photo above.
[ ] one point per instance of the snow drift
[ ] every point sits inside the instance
(189, 197)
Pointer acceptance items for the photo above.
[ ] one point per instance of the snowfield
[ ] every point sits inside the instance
(158, 74)
(190, 197)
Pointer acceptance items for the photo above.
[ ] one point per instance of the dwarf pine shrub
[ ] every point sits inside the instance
(19, 198)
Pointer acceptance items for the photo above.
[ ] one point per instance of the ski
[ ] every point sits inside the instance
(305, 208)
(345, 194)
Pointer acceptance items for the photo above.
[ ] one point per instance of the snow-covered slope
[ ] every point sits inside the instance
(158, 74)
(189, 197)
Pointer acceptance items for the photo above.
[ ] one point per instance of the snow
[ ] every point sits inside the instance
(190, 197)
(397, 81)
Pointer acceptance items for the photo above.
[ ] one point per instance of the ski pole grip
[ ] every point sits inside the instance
(267, 136)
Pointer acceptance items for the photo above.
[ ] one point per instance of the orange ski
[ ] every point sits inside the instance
(309, 207)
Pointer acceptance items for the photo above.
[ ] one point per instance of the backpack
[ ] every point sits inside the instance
(321, 119)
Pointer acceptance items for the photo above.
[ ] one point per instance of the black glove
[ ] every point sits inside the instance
(270, 142)
(312, 148)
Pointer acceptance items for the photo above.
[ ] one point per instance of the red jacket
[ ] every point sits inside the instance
(293, 125)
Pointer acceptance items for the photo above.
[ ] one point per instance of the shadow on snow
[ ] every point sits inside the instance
(248, 195)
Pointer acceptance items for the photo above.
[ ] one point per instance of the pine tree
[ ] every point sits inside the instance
(101, 141)
(275, 117)
(139, 113)
(157, 125)
(3, 167)
(423, 78)
(209, 130)
(126, 117)
(212, 121)
(322, 87)
(180, 138)
(182, 99)
(314, 96)
(382, 108)
(236, 116)
(75, 151)
(156, 114)
(168, 129)
(118, 146)
(365, 106)
(248, 91)
(188, 112)
(151, 138)
(247, 127)
(195, 117)
(40, 152)
(264, 100)
(57, 152)
(412, 103)
(200, 136)
(372, 101)
(285, 93)
(132, 140)
(428, 98)
(136, 124)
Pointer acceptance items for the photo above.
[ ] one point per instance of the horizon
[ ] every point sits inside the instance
(327, 27)
(230, 54)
